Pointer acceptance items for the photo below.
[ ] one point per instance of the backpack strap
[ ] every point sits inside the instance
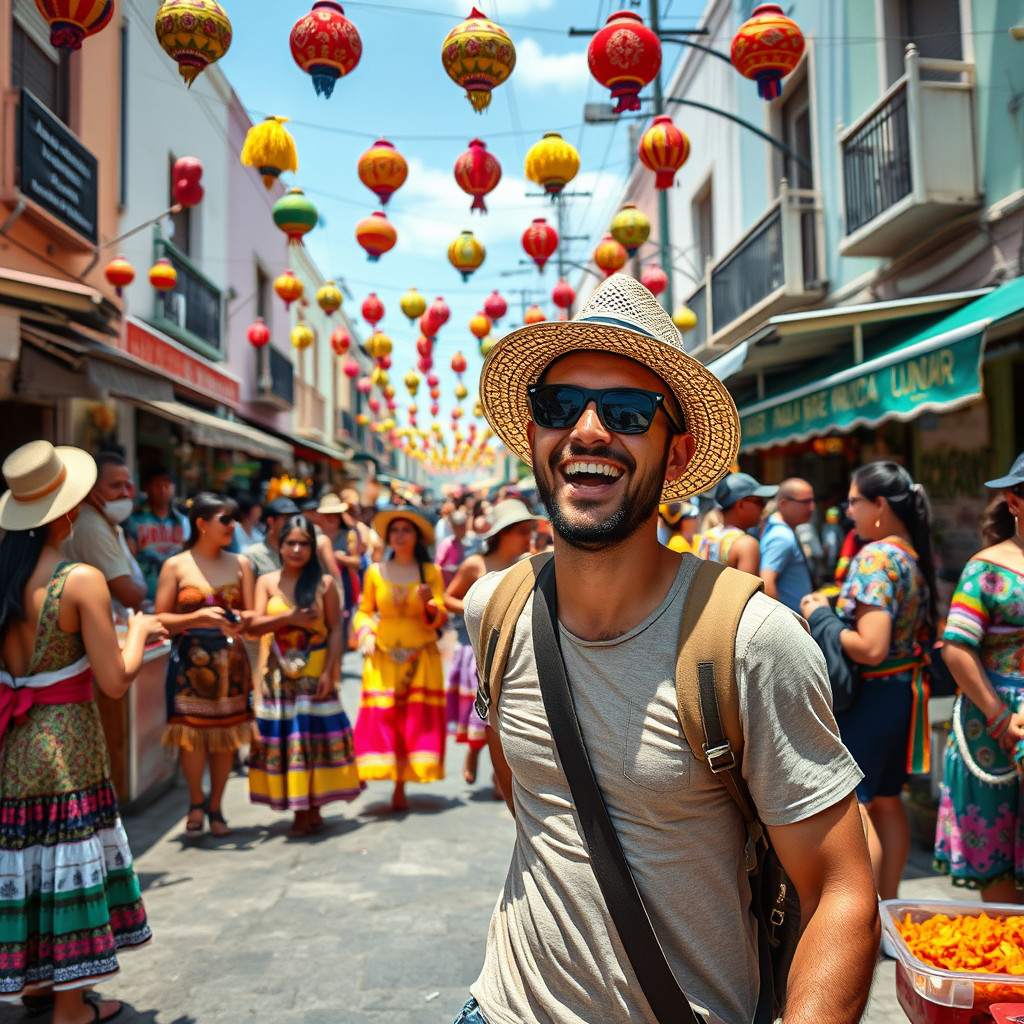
(498, 628)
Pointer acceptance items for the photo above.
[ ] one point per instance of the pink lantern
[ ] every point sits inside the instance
(364, 385)
(495, 306)
(654, 279)
(350, 369)
(374, 404)
(433, 380)
(424, 363)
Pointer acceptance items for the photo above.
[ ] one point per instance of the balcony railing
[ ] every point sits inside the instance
(777, 265)
(345, 426)
(275, 380)
(310, 406)
(903, 177)
(191, 312)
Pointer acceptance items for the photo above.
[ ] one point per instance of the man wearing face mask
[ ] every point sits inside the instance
(97, 538)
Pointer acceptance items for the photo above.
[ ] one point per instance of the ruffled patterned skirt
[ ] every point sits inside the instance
(69, 898)
(463, 721)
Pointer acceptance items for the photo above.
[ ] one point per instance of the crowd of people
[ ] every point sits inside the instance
(259, 603)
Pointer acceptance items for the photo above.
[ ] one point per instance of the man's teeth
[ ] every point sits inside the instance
(592, 467)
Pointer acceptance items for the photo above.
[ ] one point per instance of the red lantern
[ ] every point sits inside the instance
(434, 408)
(495, 306)
(350, 369)
(383, 170)
(374, 404)
(424, 346)
(654, 279)
(185, 186)
(71, 21)
(376, 234)
(534, 315)
(610, 255)
(433, 380)
(341, 341)
(439, 313)
(373, 309)
(120, 273)
(258, 334)
(624, 56)
(540, 240)
(767, 48)
(458, 363)
(384, 362)
(326, 45)
(477, 172)
(424, 363)
(562, 295)
(663, 149)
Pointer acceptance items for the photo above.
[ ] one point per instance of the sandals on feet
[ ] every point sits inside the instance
(94, 1002)
(36, 1006)
(217, 818)
(191, 825)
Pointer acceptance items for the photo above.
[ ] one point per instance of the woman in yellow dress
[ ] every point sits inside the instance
(400, 732)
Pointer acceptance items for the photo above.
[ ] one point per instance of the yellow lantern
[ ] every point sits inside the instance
(478, 55)
(270, 149)
(466, 254)
(302, 337)
(685, 319)
(630, 227)
(460, 391)
(413, 304)
(328, 298)
(487, 344)
(378, 345)
(412, 382)
(379, 376)
(552, 163)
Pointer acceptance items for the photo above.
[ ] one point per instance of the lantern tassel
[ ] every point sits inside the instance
(481, 100)
(478, 204)
(269, 148)
(769, 85)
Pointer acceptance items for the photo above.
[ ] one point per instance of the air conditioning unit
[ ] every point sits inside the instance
(177, 309)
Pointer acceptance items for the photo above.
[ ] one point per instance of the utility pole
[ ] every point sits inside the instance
(664, 241)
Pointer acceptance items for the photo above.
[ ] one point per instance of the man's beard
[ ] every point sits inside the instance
(636, 509)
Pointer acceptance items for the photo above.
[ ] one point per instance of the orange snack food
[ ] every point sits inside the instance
(979, 944)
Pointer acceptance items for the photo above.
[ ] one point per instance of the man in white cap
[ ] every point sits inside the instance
(614, 418)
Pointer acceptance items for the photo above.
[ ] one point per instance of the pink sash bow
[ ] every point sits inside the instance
(15, 702)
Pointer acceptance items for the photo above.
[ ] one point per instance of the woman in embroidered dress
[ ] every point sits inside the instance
(505, 542)
(202, 598)
(887, 601)
(400, 731)
(67, 885)
(304, 757)
(979, 839)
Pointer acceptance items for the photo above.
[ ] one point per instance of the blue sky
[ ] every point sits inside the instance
(400, 91)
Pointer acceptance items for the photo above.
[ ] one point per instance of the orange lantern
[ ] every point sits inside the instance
(610, 255)
(459, 363)
(289, 288)
(534, 315)
(162, 275)
(383, 170)
(663, 149)
(71, 21)
(120, 273)
(480, 326)
(376, 235)
(766, 48)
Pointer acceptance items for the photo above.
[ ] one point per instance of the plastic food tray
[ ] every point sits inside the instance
(924, 989)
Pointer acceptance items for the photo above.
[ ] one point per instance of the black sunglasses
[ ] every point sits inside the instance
(226, 518)
(621, 410)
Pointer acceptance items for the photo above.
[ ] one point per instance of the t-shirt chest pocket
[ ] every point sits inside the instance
(656, 755)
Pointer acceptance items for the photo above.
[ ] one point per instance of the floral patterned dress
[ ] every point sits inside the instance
(979, 839)
(69, 898)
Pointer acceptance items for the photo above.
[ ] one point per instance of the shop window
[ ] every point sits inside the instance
(180, 228)
(704, 227)
(39, 68)
(794, 127)
(933, 26)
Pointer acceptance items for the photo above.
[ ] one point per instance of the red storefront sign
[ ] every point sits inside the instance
(180, 367)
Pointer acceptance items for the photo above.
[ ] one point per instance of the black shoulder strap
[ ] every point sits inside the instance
(668, 1003)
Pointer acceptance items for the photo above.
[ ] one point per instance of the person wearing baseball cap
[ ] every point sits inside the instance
(615, 417)
(742, 501)
(263, 556)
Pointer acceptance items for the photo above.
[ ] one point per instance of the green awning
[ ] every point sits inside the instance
(936, 369)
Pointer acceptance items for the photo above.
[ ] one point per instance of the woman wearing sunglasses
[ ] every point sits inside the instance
(203, 597)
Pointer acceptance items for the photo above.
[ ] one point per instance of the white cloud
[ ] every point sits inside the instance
(537, 71)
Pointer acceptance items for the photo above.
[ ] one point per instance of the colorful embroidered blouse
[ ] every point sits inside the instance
(886, 576)
(717, 541)
(987, 613)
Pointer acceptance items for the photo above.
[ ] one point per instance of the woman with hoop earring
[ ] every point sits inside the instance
(979, 839)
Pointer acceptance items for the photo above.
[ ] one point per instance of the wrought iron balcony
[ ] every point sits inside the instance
(910, 163)
(776, 266)
(275, 378)
(191, 311)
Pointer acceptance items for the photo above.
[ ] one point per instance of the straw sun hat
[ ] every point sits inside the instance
(506, 514)
(331, 505)
(382, 520)
(624, 318)
(45, 483)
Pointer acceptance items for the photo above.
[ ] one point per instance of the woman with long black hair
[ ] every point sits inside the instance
(888, 604)
(203, 597)
(303, 758)
(60, 831)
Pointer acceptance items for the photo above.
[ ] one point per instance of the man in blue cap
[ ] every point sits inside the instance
(742, 500)
(263, 556)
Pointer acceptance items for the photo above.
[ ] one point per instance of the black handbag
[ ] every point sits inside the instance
(843, 674)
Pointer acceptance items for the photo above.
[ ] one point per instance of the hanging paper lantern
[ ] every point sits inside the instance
(186, 189)
(71, 21)
(438, 314)
(270, 149)
(258, 334)
(295, 215)
(341, 341)
(413, 304)
(373, 309)
(552, 163)
(610, 255)
(428, 326)
(162, 275)
(328, 297)
(478, 55)
(663, 149)
(631, 227)
(540, 240)
(480, 326)
(412, 384)
(378, 345)
(289, 288)
(461, 391)
(424, 364)
(120, 273)
(424, 346)
(767, 48)
(383, 170)
(487, 344)
(435, 393)
(466, 254)
(477, 172)
(534, 315)
(685, 319)
(364, 385)
(350, 368)
(495, 306)
(562, 295)
(458, 363)
(384, 361)
(433, 380)
(195, 33)
(302, 337)
(624, 56)
(326, 45)
(434, 408)
(379, 376)
(654, 279)
(374, 404)
(376, 235)
(362, 419)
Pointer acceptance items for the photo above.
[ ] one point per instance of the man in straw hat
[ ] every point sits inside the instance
(615, 418)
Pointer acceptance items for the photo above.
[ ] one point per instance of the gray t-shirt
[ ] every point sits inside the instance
(553, 955)
(262, 557)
